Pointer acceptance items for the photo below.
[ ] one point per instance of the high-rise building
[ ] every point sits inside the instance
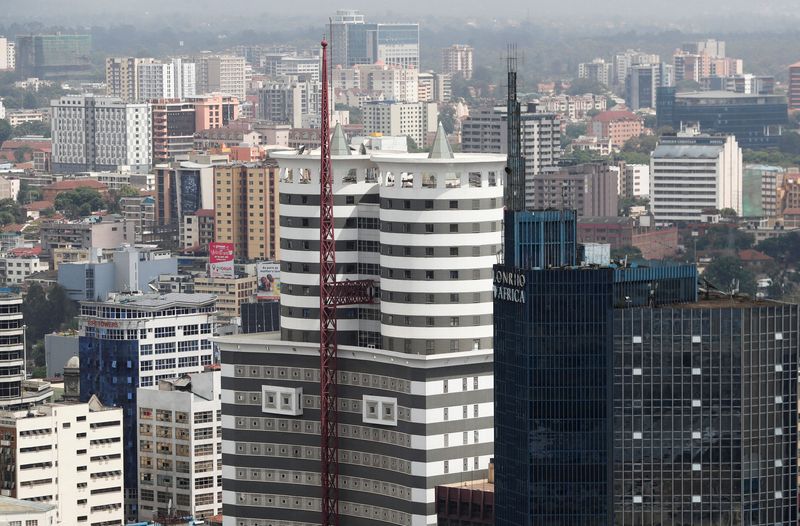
(760, 189)
(414, 369)
(340, 28)
(794, 86)
(623, 62)
(692, 173)
(711, 47)
(285, 64)
(214, 111)
(457, 60)
(100, 134)
(231, 293)
(620, 397)
(166, 80)
(597, 70)
(68, 455)
(135, 340)
(122, 77)
(14, 394)
(223, 74)
(7, 59)
(745, 83)
(367, 43)
(247, 210)
(691, 66)
(292, 101)
(173, 128)
(757, 121)
(180, 447)
(589, 188)
(53, 56)
(413, 119)
(398, 84)
(618, 126)
(641, 86)
(484, 131)
(197, 230)
(183, 188)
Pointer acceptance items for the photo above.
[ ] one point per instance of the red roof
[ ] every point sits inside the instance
(205, 212)
(38, 205)
(791, 211)
(13, 228)
(26, 251)
(42, 145)
(753, 256)
(615, 115)
(72, 184)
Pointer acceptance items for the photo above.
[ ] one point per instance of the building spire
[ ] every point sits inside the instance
(441, 148)
(339, 144)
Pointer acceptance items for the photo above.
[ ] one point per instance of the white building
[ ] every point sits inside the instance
(68, 455)
(16, 512)
(220, 74)
(166, 80)
(16, 267)
(692, 173)
(283, 64)
(624, 61)
(291, 101)
(415, 369)
(397, 83)
(636, 180)
(457, 59)
(573, 107)
(100, 134)
(597, 70)
(415, 120)
(7, 57)
(180, 446)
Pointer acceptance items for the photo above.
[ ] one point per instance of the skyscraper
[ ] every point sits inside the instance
(53, 56)
(341, 23)
(457, 59)
(414, 368)
(356, 42)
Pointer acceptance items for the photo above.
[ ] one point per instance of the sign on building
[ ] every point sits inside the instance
(220, 260)
(269, 280)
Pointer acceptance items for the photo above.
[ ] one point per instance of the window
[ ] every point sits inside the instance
(164, 332)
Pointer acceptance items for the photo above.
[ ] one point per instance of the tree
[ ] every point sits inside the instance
(21, 153)
(626, 203)
(412, 145)
(6, 131)
(11, 212)
(45, 311)
(32, 128)
(722, 237)
(29, 101)
(641, 144)
(114, 197)
(447, 116)
(79, 202)
(723, 271)
(728, 213)
(632, 253)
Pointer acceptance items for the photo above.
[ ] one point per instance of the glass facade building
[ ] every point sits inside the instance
(541, 238)
(54, 56)
(620, 398)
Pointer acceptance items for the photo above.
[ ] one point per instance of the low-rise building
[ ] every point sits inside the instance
(19, 263)
(197, 230)
(141, 211)
(51, 191)
(98, 232)
(16, 512)
(68, 455)
(618, 126)
(180, 446)
(230, 292)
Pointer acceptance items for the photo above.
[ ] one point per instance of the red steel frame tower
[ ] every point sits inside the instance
(331, 294)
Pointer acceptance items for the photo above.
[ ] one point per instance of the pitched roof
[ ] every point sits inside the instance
(339, 144)
(753, 255)
(615, 115)
(38, 205)
(440, 148)
(72, 184)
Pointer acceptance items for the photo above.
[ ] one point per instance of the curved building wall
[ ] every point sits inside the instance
(12, 355)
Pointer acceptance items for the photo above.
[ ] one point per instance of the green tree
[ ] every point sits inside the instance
(29, 101)
(6, 131)
(79, 202)
(45, 311)
(641, 144)
(447, 116)
(115, 195)
(728, 213)
(11, 212)
(582, 86)
(723, 237)
(576, 130)
(723, 271)
(32, 128)
(626, 203)
(412, 145)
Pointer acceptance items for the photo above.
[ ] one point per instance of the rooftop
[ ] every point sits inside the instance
(720, 94)
(10, 506)
(153, 301)
(688, 151)
(615, 115)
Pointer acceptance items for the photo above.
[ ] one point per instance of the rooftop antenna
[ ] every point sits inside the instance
(515, 165)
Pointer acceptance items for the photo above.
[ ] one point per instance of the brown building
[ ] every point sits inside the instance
(589, 188)
(466, 504)
(173, 128)
(618, 126)
(51, 191)
(794, 86)
(654, 243)
(247, 210)
(230, 292)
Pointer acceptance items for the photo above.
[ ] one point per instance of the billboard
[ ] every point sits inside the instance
(269, 280)
(220, 260)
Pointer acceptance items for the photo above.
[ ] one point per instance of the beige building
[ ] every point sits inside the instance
(457, 59)
(246, 205)
(415, 120)
(220, 74)
(122, 77)
(230, 292)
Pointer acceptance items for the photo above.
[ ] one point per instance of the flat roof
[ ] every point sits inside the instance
(480, 485)
(157, 300)
(720, 94)
(11, 506)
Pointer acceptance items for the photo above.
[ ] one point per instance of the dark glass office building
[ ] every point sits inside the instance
(757, 121)
(622, 398)
(541, 238)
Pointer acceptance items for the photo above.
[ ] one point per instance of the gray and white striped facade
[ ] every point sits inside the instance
(415, 368)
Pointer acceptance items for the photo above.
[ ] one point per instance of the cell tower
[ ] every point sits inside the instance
(515, 167)
(332, 293)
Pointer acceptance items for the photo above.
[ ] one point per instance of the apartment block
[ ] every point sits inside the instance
(415, 120)
(457, 60)
(223, 74)
(230, 293)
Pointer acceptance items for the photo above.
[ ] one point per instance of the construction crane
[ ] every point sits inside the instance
(332, 293)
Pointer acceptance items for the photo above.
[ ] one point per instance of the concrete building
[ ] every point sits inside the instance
(589, 188)
(434, 87)
(692, 173)
(415, 369)
(572, 107)
(291, 101)
(394, 44)
(17, 265)
(289, 64)
(166, 80)
(224, 74)
(197, 230)
(68, 455)
(624, 61)
(53, 56)
(598, 70)
(7, 59)
(635, 181)
(174, 126)
(59, 348)
(106, 232)
(486, 131)
(641, 85)
(16, 512)
(180, 447)
(128, 270)
(457, 60)
(183, 187)
(247, 210)
(760, 190)
(215, 110)
(100, 133)
(793, 92)
(122, 77)
(399, 84)
(746, 83)
(12, 360)
(141, 212)
(618, 126)
(230, 293)
(415, 120)
(135, 340)
(340, 24)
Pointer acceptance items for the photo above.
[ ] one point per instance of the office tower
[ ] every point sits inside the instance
(340, 27)
(214, 111)
(457, 60)
(183, 188)
(223, 74)
(135, 340)
(692, 173)
(618, 126)
(598, 70)
(122, 77)
(589, 188)
(623, 398)
(394, 44)
(414, 119)
(641, 85)
(425, 345)
(794, 86)
(691, 66)
(624, 61)
(166, 80)
(173, 128)
(100, 134)
(485, 131)
(541, 238)
(14, 394)
(285, 64)
(712, 48)
(7, 60)
(180, 447)
(40, 445)
(246, 209)
(760, 190)
(746, 83)
(68, 455)
(292, 101)
(53, 56)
